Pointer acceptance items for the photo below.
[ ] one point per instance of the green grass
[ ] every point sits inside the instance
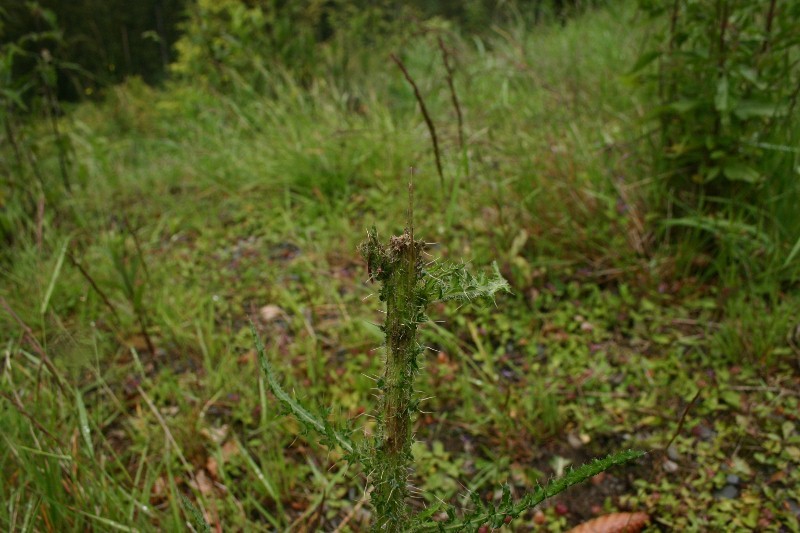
(251, 208)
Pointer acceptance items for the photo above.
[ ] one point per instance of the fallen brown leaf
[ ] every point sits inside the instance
(614, 523)
(213, 467)
(229, 449)
(202, 483)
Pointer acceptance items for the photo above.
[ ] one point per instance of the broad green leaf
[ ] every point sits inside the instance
(751, 75)
(738, 171)
(644, 60)
(750, 109)
(722, 99)
(684, 106)
(15, 97)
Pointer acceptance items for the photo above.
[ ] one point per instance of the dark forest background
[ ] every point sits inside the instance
(104, 41)
(108, 39)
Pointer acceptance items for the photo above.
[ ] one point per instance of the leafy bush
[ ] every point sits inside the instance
(234, 38)
(726, 86)
(245, 44)
(248, 44)
(727, 80)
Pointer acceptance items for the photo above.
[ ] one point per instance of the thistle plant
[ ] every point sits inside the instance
(408, 285)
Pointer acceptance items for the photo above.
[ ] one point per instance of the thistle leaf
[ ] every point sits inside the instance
(198, 521)
(300, 412)
(449, 281)
(484, 514)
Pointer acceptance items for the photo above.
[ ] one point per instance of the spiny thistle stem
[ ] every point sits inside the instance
(397, 268)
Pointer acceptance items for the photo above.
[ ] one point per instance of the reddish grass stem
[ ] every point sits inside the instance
(453, 96)
(425, 115)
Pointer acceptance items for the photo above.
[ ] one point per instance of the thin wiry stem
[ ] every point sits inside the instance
(425, 115)
(453, 96)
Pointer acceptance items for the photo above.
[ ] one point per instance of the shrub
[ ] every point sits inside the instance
(727, 80)
(238, 44)
(725, 88)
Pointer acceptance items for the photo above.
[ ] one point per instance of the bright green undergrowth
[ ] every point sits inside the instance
(194, 211)
(408, 286)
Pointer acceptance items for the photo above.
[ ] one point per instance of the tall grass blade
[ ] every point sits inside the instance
(83, 421)
(109, 523)
(265, 481)
(54, 277)
(792, 254)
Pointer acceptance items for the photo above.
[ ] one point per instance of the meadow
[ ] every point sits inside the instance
(130, 382)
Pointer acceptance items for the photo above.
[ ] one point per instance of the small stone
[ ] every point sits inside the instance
(732, 479)
(703, 432)
(670, 466)
(672, 453)
(270, 313)
(729, 492)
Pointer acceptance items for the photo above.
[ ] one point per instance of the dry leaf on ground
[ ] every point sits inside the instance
(614, 523)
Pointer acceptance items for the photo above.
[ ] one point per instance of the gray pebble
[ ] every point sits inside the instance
(672, 453)
(704, 432)
(728, 493)
(795, 507)
(670, 466)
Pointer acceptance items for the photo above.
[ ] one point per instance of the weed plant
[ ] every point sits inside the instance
(409, 286)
